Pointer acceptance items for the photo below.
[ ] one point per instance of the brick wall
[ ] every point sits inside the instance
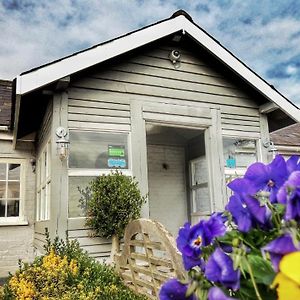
(167, 186)
(16, 242)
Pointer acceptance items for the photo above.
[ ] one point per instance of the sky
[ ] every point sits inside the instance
(264, 34)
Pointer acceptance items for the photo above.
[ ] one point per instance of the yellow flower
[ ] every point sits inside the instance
(287, 281)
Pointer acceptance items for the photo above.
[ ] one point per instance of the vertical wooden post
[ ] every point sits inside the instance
(264, 137)
(59, 173)
(214, 154)
(139, 151)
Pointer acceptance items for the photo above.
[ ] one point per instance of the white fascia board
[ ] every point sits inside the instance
(40, 77)
(238, 67)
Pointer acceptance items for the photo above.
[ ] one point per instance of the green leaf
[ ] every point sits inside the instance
(262, 269)
(191, 289)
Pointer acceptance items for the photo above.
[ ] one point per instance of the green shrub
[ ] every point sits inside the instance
(114, 200)
(65, 272)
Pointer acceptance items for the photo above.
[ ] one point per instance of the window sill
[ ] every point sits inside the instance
(14, 222)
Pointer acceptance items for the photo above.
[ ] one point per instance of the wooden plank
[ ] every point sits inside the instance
(237, 110)
(97, 95)
(79, 233)
(98, 112)
(97, 249)
(179, 110)
(239, 117)
(150, 70)
(264, 136)
(126, 77)
(236, 133)
(99, 126)
(40, 226)
(174, 119)
(240, 128)
(98, 104)
(240, 122)
(98, 119)
(139, 163)
(89, 241)
(166, 64)
(130, 88)
(186, 56)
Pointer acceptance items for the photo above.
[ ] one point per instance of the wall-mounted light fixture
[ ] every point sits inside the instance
(271, 147)
(62, 143)
(174, 57)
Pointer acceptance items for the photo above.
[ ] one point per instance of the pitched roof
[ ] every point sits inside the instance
(288, 136)
(5, 102)
(179, 22)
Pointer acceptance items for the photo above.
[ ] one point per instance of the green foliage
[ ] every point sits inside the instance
(114, 201)
(66, 272)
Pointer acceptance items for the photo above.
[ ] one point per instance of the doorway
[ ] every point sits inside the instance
(177, 175)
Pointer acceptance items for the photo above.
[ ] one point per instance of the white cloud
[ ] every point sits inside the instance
(257, 32)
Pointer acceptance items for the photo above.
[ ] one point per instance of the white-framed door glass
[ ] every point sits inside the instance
(199, 188)
(238, 153)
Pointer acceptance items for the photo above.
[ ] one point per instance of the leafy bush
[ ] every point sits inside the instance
(65, 272)
(113, 201)
(252, 249)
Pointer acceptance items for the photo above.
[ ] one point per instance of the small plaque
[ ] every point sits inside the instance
(116, 151)
(116, 163)
(231, 162)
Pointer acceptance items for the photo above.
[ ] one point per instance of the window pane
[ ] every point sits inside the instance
(2, 208)
(200, 172)
(2, 189)
(201, 200)
(13, 189)
(76, 207)
(3, 171)
(239, 153)
(94, 150)
(14, 171)
(12, 208)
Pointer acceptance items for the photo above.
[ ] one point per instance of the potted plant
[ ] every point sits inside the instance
(252, 249)
(113, 201)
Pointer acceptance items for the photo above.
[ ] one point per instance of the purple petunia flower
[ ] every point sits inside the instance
(240, 213)
(293, 164)
(216, 293)
(289, 195)
(261, 177)
(190, 240)
(174, 290)
(219, 268)
(279, 247)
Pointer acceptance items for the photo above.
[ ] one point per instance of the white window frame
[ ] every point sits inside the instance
(21, 219)
(43, 185)
(88, 172)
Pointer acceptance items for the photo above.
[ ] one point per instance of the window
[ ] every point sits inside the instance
(200, 197)
(93, 154)
(10, 190)
(43, 184)
(239, 153)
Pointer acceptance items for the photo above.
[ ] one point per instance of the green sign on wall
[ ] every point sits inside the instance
(116, 151)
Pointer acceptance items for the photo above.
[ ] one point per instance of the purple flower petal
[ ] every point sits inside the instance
(240, 214)
(219, 268)
(216, 293)
(293, 164)
(174, 290)
(279, 247)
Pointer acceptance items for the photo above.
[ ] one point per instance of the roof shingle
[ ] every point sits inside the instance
(5, 102)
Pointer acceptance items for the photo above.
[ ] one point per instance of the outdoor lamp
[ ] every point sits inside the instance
(272, 148)
(62, 144)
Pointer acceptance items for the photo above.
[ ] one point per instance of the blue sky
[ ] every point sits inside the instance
(265, 34)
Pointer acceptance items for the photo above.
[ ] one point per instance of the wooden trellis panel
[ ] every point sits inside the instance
(149, 257)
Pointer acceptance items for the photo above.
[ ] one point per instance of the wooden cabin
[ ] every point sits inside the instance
(167, 104)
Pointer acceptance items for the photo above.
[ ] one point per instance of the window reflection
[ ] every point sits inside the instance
(93, 150)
